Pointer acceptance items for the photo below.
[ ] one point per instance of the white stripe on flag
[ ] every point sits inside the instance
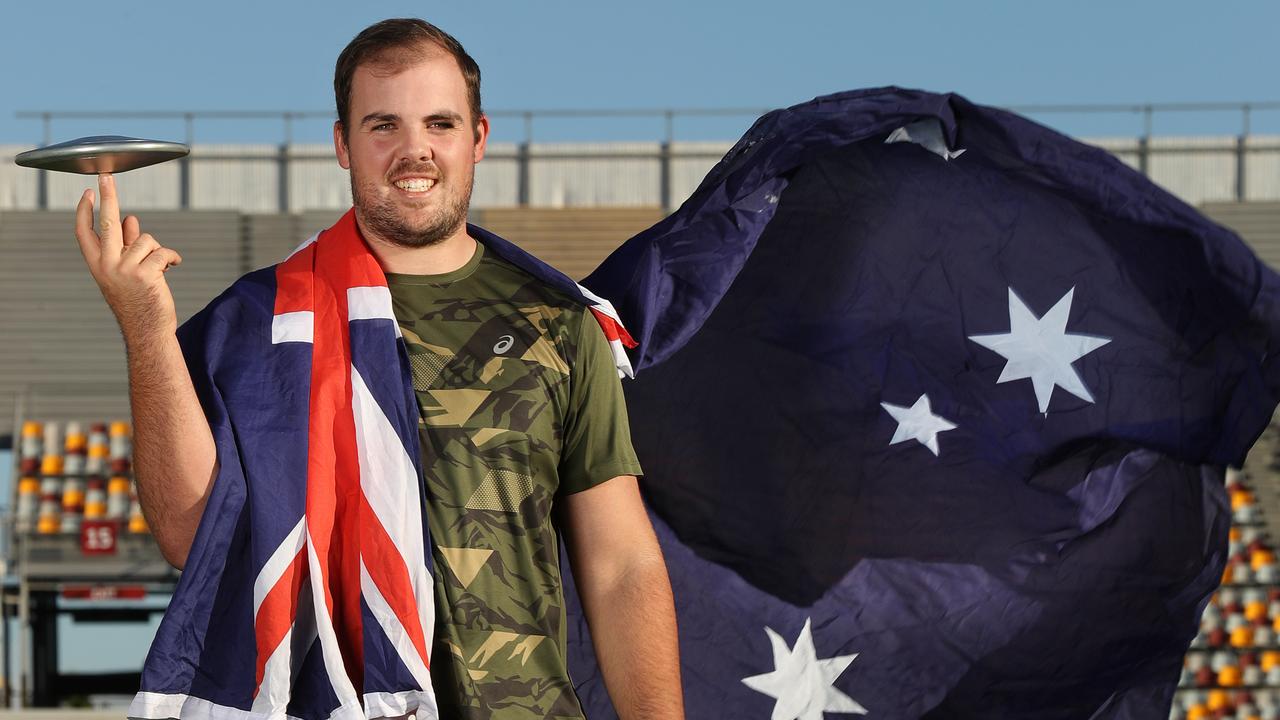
(302, 245)
(158, 706)
(334, 669)
(393, 705)
(293, 327)
(600, 303)
(279, 561)
(390, 483)
(371, 303)
(394, 631)
(163, 706)
(620, 359)
(281, 670)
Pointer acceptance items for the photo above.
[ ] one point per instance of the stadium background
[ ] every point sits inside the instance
(567, 184)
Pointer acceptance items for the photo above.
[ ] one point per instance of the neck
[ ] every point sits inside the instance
(443, 257)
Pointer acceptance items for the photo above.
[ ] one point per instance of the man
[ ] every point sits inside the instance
(520, 405)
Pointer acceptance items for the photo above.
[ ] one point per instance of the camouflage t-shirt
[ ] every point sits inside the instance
(520, 404)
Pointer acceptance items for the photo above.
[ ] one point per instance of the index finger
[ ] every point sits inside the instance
(109, 213)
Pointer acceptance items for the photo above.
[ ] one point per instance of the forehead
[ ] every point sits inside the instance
(407, 79)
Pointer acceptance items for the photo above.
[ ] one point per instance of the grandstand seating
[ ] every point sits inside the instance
(1257, 222)
(574, 240)
(1232, 670)
(63, 475)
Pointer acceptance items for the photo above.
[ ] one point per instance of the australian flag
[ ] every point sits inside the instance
(935, 405)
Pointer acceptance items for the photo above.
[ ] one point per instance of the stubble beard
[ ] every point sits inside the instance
(380, 216)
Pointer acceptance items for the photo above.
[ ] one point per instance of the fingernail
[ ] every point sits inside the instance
(104, 177)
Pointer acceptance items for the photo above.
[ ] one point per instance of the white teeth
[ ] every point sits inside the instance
(415, 184)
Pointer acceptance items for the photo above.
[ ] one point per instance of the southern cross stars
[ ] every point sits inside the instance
(1041, 349)
(917, 423)
(803, 684)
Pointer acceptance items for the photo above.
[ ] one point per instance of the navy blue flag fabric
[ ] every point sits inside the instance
(935, 405)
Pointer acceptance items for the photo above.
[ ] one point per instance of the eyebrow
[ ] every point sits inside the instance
(392, 117)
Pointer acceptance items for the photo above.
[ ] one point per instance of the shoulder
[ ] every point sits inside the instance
(528, 290)
(540, 278)
(251, 294)
(559, 314)
(249, 301)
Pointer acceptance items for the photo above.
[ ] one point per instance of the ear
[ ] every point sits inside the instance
(482, 137)
(340, 146)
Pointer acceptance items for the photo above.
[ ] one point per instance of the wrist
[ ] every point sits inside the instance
(138, 336)
(144, 316)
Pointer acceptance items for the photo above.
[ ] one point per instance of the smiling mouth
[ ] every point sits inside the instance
(415, 185)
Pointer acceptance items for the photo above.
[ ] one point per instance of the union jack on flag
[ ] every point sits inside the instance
(311, 557)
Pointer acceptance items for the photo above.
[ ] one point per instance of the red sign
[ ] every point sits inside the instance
(98, 537)
(104, 592)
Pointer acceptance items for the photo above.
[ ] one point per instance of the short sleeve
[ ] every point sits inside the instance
(597, 440)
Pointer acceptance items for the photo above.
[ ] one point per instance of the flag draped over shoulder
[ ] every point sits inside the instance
(934, 404)
(308, 591)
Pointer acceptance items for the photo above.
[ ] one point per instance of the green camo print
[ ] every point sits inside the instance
(491, 350)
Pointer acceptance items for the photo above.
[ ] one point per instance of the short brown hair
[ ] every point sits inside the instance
(388, 41)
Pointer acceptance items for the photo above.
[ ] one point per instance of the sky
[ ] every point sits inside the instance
(556, 54)
(278, 55)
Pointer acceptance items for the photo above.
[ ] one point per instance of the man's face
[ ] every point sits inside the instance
(411, 148)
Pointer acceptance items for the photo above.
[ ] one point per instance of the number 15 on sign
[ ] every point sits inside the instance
(98, 537)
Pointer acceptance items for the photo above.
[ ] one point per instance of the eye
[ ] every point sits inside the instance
(383, 126)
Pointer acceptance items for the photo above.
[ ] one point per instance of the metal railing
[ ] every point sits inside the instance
(668, 118)
(1147, 113)
(288, 118)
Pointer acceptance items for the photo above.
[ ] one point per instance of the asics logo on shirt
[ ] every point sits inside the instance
(504, 344)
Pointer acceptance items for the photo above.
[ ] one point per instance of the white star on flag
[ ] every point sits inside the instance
(1042, 349)
(803, 684)
(917, 423)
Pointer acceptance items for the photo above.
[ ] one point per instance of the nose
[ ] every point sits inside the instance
(417, 146)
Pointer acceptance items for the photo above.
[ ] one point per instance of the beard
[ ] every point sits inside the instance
(380, 215)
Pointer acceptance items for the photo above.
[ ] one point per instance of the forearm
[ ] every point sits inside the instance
(633, 626)
(173, 454)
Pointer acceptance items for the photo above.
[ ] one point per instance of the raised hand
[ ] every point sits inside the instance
(128, 265)
(174, 458)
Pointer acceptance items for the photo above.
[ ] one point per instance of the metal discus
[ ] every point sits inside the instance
(101, 153)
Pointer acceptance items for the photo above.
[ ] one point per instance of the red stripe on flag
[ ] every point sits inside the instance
(334, 496)
(294, 280)
(613, 330)
(277, 613)
(387, 568)
(333, 474)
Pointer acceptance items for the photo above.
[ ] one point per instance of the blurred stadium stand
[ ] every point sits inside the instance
(1257, 222)
(1233, 667)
